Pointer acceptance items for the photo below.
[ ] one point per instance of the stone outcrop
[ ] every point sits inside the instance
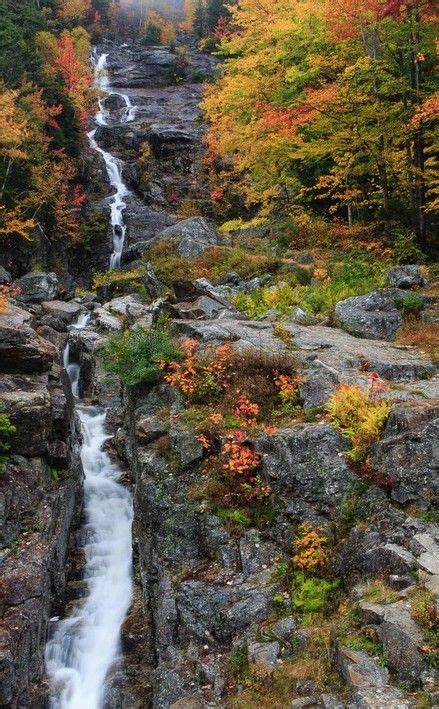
(374, 316)
(40, 493)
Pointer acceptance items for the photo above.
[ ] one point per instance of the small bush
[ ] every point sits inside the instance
(405, 248)
(410, 304)
(423, 609)
(135, 356)
(310, 548)
(312, 595)
(359, 415)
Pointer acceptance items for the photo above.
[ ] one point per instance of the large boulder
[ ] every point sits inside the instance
(21, 349)
(406, 277)
(37, 286)
(193, 235)
(373, 316)
(165, 140)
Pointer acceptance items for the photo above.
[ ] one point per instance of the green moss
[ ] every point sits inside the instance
(313, 595)
(6, 430)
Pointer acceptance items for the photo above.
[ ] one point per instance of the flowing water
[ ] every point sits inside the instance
(112, 164)
(85, 645)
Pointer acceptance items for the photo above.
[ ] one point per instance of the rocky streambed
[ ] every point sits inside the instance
(211, 618)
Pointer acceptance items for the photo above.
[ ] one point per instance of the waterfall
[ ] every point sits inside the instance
(85, 645)
(113, 166)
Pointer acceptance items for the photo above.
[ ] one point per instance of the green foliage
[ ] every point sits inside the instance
(234, 515)
(135, 356)
(410, 304)
(313, 595)
(120, 280)
(238, 664)
(6, 429)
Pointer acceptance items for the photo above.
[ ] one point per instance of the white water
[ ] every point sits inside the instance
(86, 644)
(112, 164)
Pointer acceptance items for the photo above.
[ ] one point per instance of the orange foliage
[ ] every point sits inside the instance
(310, 549)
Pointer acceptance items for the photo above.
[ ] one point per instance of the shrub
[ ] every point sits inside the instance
(137, 356)
(310, 548)
(405, 248)
(410, 304)
(359, 415)
(6, 429)
(423, 608)
(312, 595)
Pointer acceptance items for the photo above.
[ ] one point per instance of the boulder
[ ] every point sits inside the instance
(401, 639)
(373, 316)
(264, 656)
(114, 102)
(301, 317)
(66, 312)
(21, 349)
(367, 681)
(406, 277)
(408, 452)
(193, 235)
(37, 287)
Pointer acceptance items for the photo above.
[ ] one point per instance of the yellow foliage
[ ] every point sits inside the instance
(359, 416)
(310, 548)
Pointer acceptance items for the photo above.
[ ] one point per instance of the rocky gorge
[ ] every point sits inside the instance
(214, 619)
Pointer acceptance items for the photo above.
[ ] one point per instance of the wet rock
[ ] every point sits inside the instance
(256, 555)
(165, 140)
(21, 349)
(114, 102)
(130, 306)
(409, 454)
(37, 287)
(193, 236)
(406, 277)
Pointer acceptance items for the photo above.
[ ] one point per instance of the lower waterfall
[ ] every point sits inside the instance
(85, 645)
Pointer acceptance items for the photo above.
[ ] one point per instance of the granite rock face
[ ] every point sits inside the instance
(193, 236)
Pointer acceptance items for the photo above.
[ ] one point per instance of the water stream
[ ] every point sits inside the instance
(85, 645)
(113, 165)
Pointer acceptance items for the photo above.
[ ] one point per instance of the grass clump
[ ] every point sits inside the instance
(410, 304)
(121, 281)
(359, 416)
(137, 356)
(422, 335)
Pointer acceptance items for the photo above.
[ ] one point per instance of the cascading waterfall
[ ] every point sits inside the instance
(112, 164)
(85, 645)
